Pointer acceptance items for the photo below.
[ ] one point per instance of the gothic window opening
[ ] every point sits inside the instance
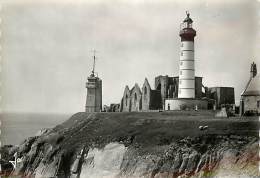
(159, 87)
(258, 104)
(145, 90)
(135, 96)
(126, 97)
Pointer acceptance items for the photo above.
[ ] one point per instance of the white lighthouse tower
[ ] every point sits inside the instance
(189, 86)
(187, 69)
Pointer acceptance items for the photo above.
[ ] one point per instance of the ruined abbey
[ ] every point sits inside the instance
(185, 91)
(147, 99)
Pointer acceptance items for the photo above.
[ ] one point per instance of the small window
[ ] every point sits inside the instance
(258, 104)
(181, 72)
(181, 63)
(181, 44)
(181, 53)
(135, 96)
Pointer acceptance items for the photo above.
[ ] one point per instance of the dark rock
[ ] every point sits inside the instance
(26, 145)
(185, 159)
(192, 163)
(201, 163)
(177, 163)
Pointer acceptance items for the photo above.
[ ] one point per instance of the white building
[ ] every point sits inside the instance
(250, 99)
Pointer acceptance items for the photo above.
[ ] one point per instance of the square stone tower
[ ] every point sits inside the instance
(94, 94)
(94, 91)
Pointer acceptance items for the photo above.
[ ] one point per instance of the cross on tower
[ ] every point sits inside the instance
(94, 62)
(187, 13)
(253, 70)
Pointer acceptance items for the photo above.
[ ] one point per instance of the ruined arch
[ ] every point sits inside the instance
(159, 86)
(126, 99)
(145, 90)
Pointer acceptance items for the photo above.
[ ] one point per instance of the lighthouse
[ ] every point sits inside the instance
(186, 65)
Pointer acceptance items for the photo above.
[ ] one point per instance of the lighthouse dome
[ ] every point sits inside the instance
(188, 19)
(254, 87)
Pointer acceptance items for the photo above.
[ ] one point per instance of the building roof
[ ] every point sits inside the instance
(254, 87)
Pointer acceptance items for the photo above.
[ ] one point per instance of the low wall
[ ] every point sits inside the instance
(185, 103)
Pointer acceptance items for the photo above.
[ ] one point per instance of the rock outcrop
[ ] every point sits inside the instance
(133, 145)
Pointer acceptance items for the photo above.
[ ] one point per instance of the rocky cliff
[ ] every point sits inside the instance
(133, 145)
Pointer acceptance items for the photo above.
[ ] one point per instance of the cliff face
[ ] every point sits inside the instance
(142, 145)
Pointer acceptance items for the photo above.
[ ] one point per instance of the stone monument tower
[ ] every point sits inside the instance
(94, 91)
(187, 69)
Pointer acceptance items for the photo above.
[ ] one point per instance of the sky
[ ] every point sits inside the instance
(46, 47)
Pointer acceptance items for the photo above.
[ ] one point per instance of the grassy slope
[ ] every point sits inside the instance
(147, 129)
